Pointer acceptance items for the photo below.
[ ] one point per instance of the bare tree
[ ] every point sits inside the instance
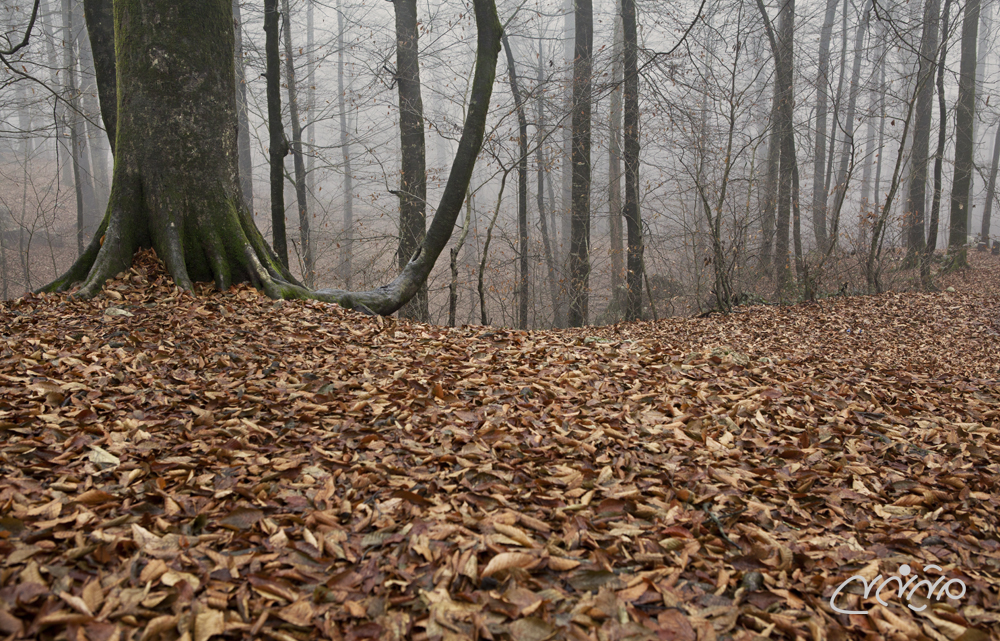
(278, 144)
(964, 147)
(413, 164)
(309, 262)
(522, 191)
(633, 217)
(579, 253)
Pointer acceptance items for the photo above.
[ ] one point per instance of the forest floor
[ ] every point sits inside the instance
(223, 465)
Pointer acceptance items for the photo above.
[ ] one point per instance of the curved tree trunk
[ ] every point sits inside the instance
(182, 197)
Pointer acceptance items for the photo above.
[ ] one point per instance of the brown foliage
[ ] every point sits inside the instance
(228, 466)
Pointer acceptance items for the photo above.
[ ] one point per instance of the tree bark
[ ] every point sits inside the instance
(97, 141)
(557, 311)
(413, 164)
(917, 197)
(847, 153)
(242, 114)
(615, 163)
(819, 165)
(633, 217)
(964, 147)
(101, 30)
(991, 190)
(522, 191)
(86, 203)
(932, 232)
(579, 253)
(278, 144)
(301, 195)
(347, 249)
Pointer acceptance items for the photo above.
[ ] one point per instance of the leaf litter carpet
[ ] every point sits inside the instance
(225, 466)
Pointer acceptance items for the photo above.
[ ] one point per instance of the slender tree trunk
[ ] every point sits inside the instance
(822, 87)
(932, 233)
(569, 30)
(582, 103)
(85, 202)
(881, 127)
(633, 216)
(347, 249)
(557, 311)
(242, 115)
(847, 153)
(984, 234)
(615, 163)
(309, 132)
(413, 163)
(770, 190)
(522, 191)
(964, 116)
(784, 79)
(100, 20)
(277, 141)
(835, 125)
(917, 197)
(453, 285)
(97, 141)
(985, 21)
(301, 196)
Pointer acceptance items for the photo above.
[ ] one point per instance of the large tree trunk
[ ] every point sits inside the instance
(633, 217)
(413, 164)
(522, 192)
(301, 195)
(965, 114)
(579, 249)
(181, 196)
(278, 144)
(917, 197)
(819, 164)
(347, 248)
(243, 115)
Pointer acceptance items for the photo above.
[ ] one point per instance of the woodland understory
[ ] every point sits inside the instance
(223, 465)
